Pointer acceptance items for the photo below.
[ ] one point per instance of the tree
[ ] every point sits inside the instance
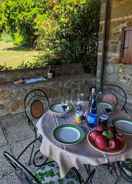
(67, 29)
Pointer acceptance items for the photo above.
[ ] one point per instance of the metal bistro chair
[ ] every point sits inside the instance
(36, 103)
(118, 92)
(47, 174)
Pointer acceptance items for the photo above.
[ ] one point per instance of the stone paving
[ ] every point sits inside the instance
(14, 135)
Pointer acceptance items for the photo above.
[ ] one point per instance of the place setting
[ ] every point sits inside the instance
(69, 134)
(93, 125)
(61, 109)
(68, 130)
(90, 130)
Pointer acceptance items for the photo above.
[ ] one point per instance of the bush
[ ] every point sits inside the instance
(74, 33)
(6, 37)
(66, 29)
(17, 17)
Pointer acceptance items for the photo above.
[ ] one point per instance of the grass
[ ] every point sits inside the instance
(11, 56)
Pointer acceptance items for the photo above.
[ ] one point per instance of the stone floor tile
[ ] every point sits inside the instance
(19, 146)
(102, 176)
(16, 128)
(5, 167)
(10, 179)
(13, 117)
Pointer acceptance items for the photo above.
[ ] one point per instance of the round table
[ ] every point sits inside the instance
(68, 156)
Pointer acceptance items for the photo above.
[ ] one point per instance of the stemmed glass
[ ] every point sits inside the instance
(74, 96)
(82, 99)
(67, 95)
(62, 95)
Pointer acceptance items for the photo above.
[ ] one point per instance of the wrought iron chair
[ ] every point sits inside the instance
(46, 174)
(118, 92)
(36, 103)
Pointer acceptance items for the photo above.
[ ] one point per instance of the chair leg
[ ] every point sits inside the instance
(117, 180)
(38, 155)
(125, 109)
(31, 154)
(89, 180)
(112, 168)
(87, 168)
(74, 171)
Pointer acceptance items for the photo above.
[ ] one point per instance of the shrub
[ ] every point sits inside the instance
(74, 37)
(67, 30)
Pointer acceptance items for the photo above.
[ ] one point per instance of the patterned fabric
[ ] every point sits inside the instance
(49, 174)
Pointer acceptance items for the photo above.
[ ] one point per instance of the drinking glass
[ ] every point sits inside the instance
(91, 119)
(106, 103)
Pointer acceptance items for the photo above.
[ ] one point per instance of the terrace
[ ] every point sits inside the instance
(15, 134)
(74, 65)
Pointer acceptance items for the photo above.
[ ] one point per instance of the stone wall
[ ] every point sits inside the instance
(115, 72)
(60, 70)
(68, 78)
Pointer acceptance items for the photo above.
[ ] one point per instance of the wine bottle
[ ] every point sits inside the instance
(91, 116)
(92, 105)
(51, 73)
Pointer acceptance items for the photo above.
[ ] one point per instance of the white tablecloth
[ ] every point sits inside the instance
(68, 156)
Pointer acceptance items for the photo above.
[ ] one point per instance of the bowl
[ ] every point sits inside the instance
(61, 109)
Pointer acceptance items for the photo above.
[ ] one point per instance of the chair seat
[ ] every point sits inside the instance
(49, 174)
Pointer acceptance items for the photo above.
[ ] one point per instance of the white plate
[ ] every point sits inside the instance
(61, 108)
(124, 125)
(68, 134)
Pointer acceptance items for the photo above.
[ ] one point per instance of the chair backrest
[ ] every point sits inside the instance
(118, 92)
(36, 103)
(23, 174)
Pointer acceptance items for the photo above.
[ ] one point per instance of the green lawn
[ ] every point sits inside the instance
(12, 57)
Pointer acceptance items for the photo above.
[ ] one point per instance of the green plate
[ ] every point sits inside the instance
(69, 134)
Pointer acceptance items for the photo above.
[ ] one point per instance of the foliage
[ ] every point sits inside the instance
(17, 17)
(5, 67)
(6, 37)
(67, 29)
